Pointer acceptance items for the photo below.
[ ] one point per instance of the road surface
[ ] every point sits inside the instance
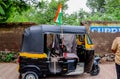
(9, 71)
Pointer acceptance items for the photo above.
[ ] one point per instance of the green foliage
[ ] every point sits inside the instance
(47, 16)
(106, 10)
(7, 56)
(43, 14)
(10, 8)
(70, 19)
(43, 11)
(1, 11)
(96, 5)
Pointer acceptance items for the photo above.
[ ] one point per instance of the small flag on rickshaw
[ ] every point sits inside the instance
(58, 17)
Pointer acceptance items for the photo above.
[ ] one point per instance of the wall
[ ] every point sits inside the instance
(11, 35)
(103, 39)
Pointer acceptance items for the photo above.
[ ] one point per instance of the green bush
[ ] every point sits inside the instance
(7, 56)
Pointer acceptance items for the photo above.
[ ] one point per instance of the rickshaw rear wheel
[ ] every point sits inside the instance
(30, 75)
(95, 71)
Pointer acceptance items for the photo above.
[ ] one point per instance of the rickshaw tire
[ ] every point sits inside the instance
(92, 73)
(32, 73)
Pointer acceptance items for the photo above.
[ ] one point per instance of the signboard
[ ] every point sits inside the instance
(106, 29)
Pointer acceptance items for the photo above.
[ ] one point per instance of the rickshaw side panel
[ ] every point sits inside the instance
(33, 40)
(39, 64)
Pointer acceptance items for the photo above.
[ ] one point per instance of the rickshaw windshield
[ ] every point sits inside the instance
(81, 37)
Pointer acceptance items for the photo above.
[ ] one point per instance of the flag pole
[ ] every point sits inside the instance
(58, 19)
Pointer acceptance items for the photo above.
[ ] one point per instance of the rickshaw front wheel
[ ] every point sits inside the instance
(95, 71)
(30, 75)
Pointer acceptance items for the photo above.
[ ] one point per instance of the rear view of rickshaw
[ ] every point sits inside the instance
(44, 53)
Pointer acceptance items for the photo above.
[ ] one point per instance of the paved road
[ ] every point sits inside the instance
(9, 71)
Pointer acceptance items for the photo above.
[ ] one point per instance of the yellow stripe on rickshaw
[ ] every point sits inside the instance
(31, 55)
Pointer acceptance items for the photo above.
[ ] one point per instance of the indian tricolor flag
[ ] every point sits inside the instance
(58, 17)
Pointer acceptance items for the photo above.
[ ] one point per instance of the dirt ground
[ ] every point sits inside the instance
(9, 71)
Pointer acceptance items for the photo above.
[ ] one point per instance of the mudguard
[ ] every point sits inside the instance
(29, 68)
(96, 60)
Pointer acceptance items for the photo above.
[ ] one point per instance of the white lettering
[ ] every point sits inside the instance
(94, 29)
(107, 30)
(114, 30)
(99, 30)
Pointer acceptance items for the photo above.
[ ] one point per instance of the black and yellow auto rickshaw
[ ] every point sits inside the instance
(40, 57)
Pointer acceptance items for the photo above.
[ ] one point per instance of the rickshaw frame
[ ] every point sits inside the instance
(33, 49)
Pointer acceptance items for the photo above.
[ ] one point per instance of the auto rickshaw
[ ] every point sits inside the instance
(39, 56)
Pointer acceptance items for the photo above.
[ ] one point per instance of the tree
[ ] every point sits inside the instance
(96, 5)
(104, 10)
(46, 12)
(70, 19)
(10, 8)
